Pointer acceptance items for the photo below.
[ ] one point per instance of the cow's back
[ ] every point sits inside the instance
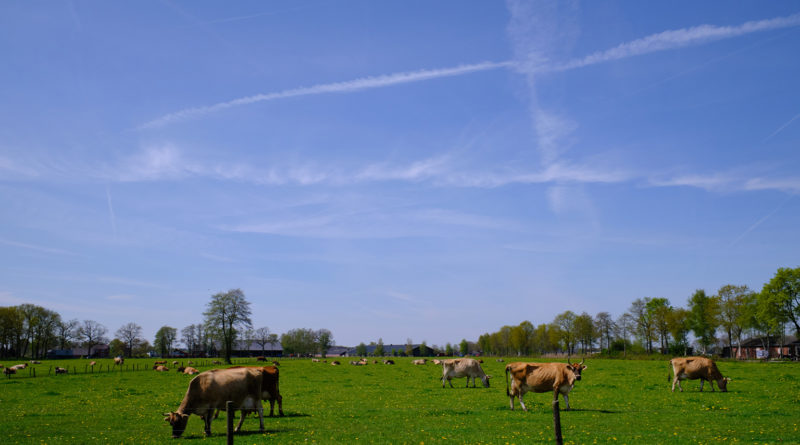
(694, 367)
(537, 377)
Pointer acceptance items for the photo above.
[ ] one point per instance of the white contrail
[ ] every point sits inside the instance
(656, 42)
(679, 38)
(337, 87)
(780, 129)
(760, 221)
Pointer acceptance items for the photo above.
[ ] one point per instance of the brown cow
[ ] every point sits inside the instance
(388, 362)
(190, 371)
(463, 367)
(118, 360)
(269, 388)
(92, 363)
(10, 370)
(335, 363)
(61, 370)
(210, 390)
(261, 358)
(160, 362)
(694, 368)
(542, 377)
(419, 361)
(160, 368)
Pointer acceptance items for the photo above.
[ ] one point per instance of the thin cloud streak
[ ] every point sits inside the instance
(780, 128)
(678, 38)
(363, 83)
(666, 40)
(759, 222)
(35, 247)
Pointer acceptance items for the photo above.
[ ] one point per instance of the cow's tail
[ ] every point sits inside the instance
(508, 393)
(669, 373)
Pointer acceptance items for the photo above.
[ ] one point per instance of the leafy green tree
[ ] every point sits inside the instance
(299, 341)
(658, 310)
(604, 325)
(448, 349)
(584, 331)
(644, 322)
(704, 317)
(566, 324)
(783, 293)
(361, 350)
(227, 314)
(678, 326)
(324, 340)
(379, 351)
(626, 324)
(165, 338)
(732, 315)
(117, 348)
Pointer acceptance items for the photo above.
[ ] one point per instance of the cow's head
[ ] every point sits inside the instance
(485, 380)
(576, 368)
(178, 422)
(723, 384)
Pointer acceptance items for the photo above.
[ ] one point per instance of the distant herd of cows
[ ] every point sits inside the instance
(246, 387)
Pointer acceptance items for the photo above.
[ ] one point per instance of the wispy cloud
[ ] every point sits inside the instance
(363, 83)
(35, 247)
(533, 41)
(677, 38)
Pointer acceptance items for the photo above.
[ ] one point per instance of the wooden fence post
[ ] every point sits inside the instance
(557, 422)
(229, 419)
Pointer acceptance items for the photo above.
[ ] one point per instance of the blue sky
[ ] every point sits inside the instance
(423, 170)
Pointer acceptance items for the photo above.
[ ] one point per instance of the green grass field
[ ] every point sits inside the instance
(616, 402)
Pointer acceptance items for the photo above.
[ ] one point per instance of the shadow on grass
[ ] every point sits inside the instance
(604, 411)
(240, 433)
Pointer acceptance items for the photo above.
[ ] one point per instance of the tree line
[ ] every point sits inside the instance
(653, 324)
(28, 330)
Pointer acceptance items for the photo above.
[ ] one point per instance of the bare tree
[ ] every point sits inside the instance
(130, 334)
(92, 334)
(189, 338)
(605, 326)
(67, 332)
(262, 338)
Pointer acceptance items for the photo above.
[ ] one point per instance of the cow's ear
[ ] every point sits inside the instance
(728, 379)
(584, 367)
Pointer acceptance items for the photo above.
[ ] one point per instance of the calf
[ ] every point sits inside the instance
(693, 368)
(542, 377)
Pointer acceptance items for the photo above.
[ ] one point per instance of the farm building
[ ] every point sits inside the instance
(253, 349)
(756, 348)
(391, 350)
(98, 351)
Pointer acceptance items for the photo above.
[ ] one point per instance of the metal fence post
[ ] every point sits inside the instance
(229, 419)
(557, 422)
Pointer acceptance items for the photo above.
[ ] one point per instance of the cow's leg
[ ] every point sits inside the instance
(280, 405)
(241, 420)
(524, 408)
(207, 420)
(511, 400)
(701, 384)
(271, 407)
(711, 384)
(566, 401)
(260, 409)
(674, 381)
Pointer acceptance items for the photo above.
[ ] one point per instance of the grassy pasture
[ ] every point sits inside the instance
(616, 402)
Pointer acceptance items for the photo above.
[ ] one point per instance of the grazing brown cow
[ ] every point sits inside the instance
(542, 377)
(261, 358)
(693, 368)
(160, 362)
(419, 361)
(61, 370)
(118, 360)
(210, 390)
(10, 370)
(269, 388)
(463, 367)
(92, 363)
